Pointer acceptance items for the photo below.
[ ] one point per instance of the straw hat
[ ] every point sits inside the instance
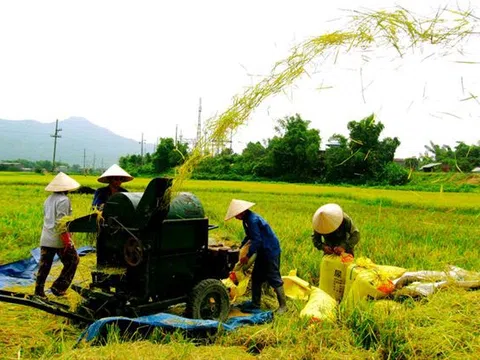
(237, 207)
(62, 182)
(327, 218)
(115, 171)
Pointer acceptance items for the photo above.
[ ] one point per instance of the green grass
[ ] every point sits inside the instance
(412, 229)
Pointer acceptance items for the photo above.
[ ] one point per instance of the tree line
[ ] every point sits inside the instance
(292, 155)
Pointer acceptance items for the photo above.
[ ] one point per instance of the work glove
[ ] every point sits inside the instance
(244, 260)
(327, 249)
(338, 250)
(232, 276)
(67, 241)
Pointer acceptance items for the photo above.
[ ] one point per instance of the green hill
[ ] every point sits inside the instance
(31, 140)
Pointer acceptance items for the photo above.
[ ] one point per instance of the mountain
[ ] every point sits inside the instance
(80, 139)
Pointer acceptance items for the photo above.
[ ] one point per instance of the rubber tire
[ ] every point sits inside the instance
(201, 294)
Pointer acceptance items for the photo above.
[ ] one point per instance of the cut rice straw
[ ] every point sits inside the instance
(398, 29)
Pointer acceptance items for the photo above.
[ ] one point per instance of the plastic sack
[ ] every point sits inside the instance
(426, 282)
(320, 306)
(295, 287)
(333, 270)
(239, 278)
(454, 276)
(379, 279)
(388, 271)
(419, 289)
(366, 279)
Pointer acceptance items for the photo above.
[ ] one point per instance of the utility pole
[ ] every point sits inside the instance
(93, 166)
(84, 158)
(176, 135)
(199, 123)
(55, 136)
(141, 148)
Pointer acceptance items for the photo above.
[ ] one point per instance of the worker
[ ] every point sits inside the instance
(265, 244)
(114, 176)
(334, 231)
(53, 240)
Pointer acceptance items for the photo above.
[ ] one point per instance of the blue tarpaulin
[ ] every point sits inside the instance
(22, 272)
(145, 324)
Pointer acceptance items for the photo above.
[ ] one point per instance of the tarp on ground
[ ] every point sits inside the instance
(146, 324)
(22, 272)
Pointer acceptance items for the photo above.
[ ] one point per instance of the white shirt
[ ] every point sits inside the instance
(55, 207)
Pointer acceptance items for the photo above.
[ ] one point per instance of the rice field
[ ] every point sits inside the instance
(415, 230)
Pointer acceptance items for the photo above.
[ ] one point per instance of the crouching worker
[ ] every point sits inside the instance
(334, 231)
(55, 207)
(265, 244)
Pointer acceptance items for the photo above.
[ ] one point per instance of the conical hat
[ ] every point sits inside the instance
(237, 207)
(327, 218)
(115, 171)
(62, 182)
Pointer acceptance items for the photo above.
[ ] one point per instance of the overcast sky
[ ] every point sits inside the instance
(141, 66)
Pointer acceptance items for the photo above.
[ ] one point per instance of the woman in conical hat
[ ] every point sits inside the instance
(265, 244)
(114, 176)
(53, 241)
(334, 231)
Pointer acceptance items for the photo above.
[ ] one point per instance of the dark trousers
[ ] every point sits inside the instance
(69, 259)
(265, 270)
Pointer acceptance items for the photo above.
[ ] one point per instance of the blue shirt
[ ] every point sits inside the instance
(101, 196)
(261, 236)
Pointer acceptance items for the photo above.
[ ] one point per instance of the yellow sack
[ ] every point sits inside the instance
(296, 288)
(376, 282)
(236, 290)
(237, 282)
(367, 283)
(320, 306)
(390, 272)
(333, 270)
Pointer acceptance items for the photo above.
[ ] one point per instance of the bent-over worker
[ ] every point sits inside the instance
(265, 244)
(55, 207)
(334, 231)
(114, 176)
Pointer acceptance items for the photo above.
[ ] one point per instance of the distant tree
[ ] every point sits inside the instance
(43, 165)
(467, 157)
(131, 164)
(336, 160)
(462, 158)
(412, 163)
(251, 157)
(295, 150)
(167, 155)
(363, 157)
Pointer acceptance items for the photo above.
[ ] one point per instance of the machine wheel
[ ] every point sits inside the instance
(209, 300)
(133, 251)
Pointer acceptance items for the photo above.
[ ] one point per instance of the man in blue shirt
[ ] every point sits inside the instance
(114, 176)
(265, 244)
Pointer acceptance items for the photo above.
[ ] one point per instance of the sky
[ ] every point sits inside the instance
(140, 67)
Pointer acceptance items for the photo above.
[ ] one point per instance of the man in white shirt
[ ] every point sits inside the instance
(54, 241)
